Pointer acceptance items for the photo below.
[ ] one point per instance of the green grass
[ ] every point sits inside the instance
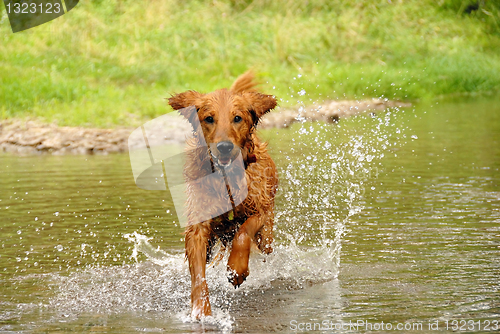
(112, 62)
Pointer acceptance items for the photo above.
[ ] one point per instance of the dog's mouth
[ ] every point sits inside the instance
(222, 161)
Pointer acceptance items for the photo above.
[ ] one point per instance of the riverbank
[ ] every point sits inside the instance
(31, 137)
(105, 61)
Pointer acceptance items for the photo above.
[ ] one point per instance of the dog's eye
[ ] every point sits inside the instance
(237, 119)
(209, 119)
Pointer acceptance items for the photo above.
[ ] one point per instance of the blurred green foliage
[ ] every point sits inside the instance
(113, 62)
(487, 11)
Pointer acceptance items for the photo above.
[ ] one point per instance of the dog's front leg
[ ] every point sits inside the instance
(197, 236)
(237, 263)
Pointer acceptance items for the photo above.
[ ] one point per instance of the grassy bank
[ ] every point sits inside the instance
(113, 61)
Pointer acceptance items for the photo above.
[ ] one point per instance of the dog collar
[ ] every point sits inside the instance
(251, 158)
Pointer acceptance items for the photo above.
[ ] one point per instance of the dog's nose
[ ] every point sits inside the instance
(225, 147)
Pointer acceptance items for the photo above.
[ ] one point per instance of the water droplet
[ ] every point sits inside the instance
(302, 92)
(59, 248)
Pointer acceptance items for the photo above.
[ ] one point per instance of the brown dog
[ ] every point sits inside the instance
(227, 123)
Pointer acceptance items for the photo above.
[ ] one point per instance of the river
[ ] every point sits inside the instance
(383, 220)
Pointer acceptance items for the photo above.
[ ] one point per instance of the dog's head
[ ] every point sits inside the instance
(227, 117)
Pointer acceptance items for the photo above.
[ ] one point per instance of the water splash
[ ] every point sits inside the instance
(156, 256)
(326, 173)
(326, 170)
(162, 283)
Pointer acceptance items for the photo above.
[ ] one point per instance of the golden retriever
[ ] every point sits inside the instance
(226, 120)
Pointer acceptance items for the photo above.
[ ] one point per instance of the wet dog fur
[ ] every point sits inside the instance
(228, 119)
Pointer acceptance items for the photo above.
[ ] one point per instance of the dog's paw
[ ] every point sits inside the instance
(266, 248)
(200, 304)
(201, 308)
(237, 264)
(237, 278)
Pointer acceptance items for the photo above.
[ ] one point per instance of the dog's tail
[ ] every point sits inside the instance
(244, 83)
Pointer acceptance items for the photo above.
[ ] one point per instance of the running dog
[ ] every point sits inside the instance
(225, 122)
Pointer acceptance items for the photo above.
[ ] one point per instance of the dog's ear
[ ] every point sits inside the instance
(187, 103)
(260, 104)
(244, 83)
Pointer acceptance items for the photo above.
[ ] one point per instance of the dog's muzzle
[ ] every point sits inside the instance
(222, 161)
(225, 149)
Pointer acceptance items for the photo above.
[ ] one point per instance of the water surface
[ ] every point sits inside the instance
(393, 217)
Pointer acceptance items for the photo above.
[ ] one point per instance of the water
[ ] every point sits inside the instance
(391, 218)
